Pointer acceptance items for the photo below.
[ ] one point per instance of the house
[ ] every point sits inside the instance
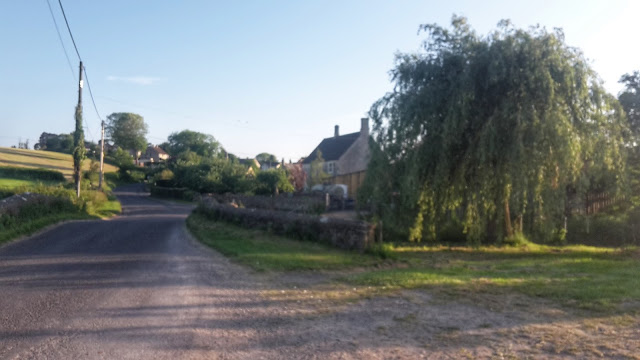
(345, 157)
(153, 155)
(251, 164)
(267, 165)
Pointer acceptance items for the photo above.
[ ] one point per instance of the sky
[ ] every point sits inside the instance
(260, 76)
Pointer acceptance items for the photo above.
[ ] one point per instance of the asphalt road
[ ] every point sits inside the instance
(140, 287)
(136, 286)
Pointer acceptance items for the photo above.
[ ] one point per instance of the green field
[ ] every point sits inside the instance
(43, 159)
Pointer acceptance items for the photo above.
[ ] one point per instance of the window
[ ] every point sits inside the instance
(330, 168)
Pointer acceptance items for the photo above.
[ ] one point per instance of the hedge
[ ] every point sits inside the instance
(345, 234)
(173, 193)
(308, 204)
(30, 174)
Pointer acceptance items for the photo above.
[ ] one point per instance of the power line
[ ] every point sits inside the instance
(73, 75)
(83, 69)
(91, 94)
(69, 28)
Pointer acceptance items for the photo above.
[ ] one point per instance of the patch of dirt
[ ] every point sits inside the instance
(364, 323)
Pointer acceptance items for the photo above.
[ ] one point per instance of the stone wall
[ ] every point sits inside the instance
(299, 203)
(341, 233)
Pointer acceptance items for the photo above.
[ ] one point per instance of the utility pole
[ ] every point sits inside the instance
(78, 138)
(101, 157)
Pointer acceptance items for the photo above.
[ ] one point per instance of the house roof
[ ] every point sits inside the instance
(333, 148)
(159, 150)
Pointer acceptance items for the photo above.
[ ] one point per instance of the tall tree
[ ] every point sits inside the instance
(186, 140)
(128, 131)
(490, 132)
(630, 100)
(267, 158)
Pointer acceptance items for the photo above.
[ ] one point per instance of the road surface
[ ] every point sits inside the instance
(139, 287)
(132, 287)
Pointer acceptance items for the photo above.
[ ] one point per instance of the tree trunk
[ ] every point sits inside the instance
(507, 220)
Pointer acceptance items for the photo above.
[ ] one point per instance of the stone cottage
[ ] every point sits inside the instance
(345, 157)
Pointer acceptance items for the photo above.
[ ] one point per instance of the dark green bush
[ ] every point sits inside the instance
(30, 174)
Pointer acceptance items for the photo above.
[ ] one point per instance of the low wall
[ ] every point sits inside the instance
(308, 204)
(344, 234)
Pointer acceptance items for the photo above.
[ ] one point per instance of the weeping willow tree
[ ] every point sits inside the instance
(491, 133)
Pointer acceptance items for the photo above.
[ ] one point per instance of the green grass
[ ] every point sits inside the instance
(263, 251)
(108, 209)
(31, 227)
(43, 159)
(587, 277)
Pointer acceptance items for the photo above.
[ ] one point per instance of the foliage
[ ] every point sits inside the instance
(297, 176)
(58, 204)
(79, 150)
(127, 130)
(493, 131)
(93, 174)
(317, 175)
(53, 142)
(123, 159)
(212, 175)
(187, 141)
(630, 100)
(30, 174)
(266, 158)
(273, 181)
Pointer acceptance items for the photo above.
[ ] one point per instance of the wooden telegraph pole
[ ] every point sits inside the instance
(78, 138)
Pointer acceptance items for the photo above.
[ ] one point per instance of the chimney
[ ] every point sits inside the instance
(337, 131)
(364, 126)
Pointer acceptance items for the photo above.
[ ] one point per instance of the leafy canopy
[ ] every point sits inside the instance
(489, 132)
(127, 130)
(630, 100)
(266, 158)
(191, 141)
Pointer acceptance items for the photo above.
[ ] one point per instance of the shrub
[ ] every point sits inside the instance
(384, 251)
(30, 174)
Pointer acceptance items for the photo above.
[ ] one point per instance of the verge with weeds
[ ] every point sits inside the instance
(592, 278)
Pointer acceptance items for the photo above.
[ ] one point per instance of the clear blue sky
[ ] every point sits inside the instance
(272, 76)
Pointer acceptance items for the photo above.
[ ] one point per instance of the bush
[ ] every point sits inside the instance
(173, 193)
(384, 251)
(30, 174)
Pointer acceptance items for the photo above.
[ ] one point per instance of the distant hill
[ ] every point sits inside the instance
(43, 159)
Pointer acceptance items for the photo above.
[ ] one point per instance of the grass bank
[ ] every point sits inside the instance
(586, 277)
(37, 213)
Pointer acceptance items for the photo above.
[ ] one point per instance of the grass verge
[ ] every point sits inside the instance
(262, 251)
(31, 227)
(577, 276)
(585, 277)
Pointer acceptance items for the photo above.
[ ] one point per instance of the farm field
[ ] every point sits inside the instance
(43, 159)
